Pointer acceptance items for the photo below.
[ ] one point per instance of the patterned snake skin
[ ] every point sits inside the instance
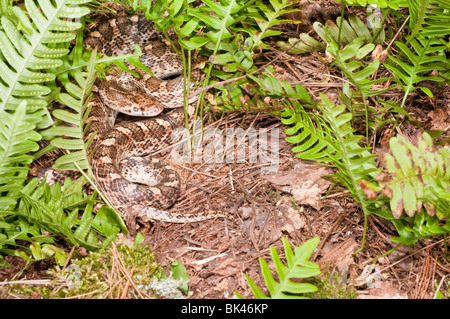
(135, 184)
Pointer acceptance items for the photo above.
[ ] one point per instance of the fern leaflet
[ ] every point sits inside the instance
(17, 138)
(298, 266)
(423, 59)
(71, 137)
(25, 55)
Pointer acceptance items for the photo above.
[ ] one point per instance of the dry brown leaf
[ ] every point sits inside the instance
(439, 119)
(384, 290)
(304, 183)
(341, 256)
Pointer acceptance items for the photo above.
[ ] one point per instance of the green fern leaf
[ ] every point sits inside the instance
(413, 167)
(297, 267)
(393, 4)
(25, 55)
(355, 162)
(430, 18)
(418, 10)
(350, 29)
(419, 63)
(437, 20)
(304, 44)
(267, 20)
(439, 197)
(32, 40)
(309, 133)
(356, 71)
(17, 139)
(330, 138)
(72, 137)
(57, 211)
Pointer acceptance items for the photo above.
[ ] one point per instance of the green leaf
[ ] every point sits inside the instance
(179, 272)
(416, 64)
(17, 139)
(36, 47)
(412, 167)
(297, 267)
(107, 222)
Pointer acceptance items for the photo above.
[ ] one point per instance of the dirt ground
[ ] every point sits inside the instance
(293, 201)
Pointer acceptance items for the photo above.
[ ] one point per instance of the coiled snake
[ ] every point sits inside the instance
(135, 184)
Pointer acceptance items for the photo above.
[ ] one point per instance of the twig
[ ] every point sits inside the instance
(422, 277)
(124, 270)
(112, 288)
(322, 242)
(396, 35)
(125, 290)
(200, 187)
(27, 282)
(252, 228)
(206, 260)
(439, 287)
(400, 260)
(378, 231)
(68, 258)
(82, 295)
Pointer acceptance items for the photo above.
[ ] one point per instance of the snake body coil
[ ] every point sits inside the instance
(134, 183)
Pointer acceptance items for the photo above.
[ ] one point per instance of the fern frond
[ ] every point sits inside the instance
(357, 72)
(393, 4)
(416, 64)
(297, 266)
(268, 19)
(330, 138)
(32, 40)
(103, 64)
(439, 197)
(355, 162)
(48, 207)
(418, 10)
(17, 139)
(350, 28)
(71, 137)
(430, 18)
(437, 20)
(27, 54)
(420, 226)
(309, 133)
(304, 44)
(412, 167)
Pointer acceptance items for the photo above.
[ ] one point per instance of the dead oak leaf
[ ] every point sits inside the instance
(439, 119)
(304, 183)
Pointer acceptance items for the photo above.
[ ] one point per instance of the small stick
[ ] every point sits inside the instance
(83, 295)
(68, 258)
(322, 243)
(125, 290)
(439, 287)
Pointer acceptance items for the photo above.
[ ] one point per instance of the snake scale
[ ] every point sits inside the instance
(134, 183)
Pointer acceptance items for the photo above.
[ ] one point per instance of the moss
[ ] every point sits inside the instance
(331, 285)
(98, 276)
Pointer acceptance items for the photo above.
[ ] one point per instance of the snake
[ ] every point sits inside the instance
(134, 183)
